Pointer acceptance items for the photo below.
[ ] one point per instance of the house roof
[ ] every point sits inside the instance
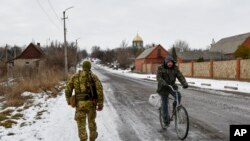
(31, 52)
(147, 52)
(192, 56)
(230, 44)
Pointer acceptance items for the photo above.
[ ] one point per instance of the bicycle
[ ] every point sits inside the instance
(180, 115)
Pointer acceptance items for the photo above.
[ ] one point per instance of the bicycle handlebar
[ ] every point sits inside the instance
(173, 88)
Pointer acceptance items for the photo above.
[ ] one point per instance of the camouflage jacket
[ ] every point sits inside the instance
(167, 76)
(81, 82)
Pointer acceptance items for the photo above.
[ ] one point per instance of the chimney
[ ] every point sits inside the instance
(38, 44)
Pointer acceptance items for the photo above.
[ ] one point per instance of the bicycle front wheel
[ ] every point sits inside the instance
(181, 122)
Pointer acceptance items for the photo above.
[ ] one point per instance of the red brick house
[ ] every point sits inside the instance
(149, 60)
(246, 43)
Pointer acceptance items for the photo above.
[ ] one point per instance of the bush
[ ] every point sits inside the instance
(242, 52)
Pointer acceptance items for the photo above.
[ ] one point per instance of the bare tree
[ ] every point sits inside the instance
(81, 55)
(109, 56)
(124, 44)
(181, 46)
(124, 55)
(97, 52)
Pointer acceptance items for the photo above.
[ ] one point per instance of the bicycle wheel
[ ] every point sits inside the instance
(161, 118)
(181, 122)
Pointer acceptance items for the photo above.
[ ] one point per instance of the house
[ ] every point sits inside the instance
(189, 56)
(229, 45)
(149, 60)
(32, 59)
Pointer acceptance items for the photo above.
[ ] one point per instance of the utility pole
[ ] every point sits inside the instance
(77, 42)
(6, 61)
(15, 52)
(6, 53)
(65, 41)
(76, 52)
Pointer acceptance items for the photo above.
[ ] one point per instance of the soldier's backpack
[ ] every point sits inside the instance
(72, 101)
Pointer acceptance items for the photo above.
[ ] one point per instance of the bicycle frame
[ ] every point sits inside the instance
(177, 101)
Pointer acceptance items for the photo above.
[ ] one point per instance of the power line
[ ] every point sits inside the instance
(53, 9)
(47, 14)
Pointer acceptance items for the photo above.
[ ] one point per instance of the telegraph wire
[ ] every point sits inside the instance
(53, 9)
(47, 14)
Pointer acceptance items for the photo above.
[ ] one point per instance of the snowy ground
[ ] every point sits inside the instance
(224, 85)
(56, 121)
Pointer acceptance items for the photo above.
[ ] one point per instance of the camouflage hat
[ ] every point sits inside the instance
(86, 65)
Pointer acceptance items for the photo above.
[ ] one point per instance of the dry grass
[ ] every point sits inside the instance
(5, 115)
(46, 80)
(3, 90)
(8, 123)
(17, 116)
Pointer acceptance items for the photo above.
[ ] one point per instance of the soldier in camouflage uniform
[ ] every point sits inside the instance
(86, 106)
(166, 75)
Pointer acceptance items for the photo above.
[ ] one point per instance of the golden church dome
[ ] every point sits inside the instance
(137, 38)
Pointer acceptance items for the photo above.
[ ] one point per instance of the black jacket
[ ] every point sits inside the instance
(167, 76)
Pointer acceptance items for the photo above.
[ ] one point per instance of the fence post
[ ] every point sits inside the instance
(192, 68)
(238, 69)
(151, 68)
(211, 69)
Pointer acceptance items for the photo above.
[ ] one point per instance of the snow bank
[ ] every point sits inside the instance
(225, 85)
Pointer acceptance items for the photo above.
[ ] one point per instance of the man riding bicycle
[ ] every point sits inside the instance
(166, 75)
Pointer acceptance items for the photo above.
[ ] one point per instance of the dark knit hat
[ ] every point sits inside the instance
(169, 58)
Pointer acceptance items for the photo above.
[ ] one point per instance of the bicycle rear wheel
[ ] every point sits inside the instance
(181, 122)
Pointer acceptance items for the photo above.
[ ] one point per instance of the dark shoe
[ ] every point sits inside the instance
(96, 135)
(166, 126)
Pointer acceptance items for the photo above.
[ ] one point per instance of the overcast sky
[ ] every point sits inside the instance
(107, 22)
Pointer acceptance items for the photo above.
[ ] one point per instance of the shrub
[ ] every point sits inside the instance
(242, 52)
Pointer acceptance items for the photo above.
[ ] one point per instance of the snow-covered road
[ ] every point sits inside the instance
(127, 115)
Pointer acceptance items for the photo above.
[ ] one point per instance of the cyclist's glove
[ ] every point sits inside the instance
(185, 86)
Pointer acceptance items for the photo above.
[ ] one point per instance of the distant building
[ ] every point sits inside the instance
(137, 42)
(32, 59)
(189, 56)
(149, 60)
(229, 45)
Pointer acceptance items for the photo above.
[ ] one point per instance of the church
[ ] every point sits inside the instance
(137, 42)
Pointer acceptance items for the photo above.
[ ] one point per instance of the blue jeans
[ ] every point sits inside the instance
(165, 110)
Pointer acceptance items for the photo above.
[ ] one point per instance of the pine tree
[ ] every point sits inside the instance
(242, 52)
(174, 55)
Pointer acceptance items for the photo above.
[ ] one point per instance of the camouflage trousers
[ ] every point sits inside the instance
(86, 110)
